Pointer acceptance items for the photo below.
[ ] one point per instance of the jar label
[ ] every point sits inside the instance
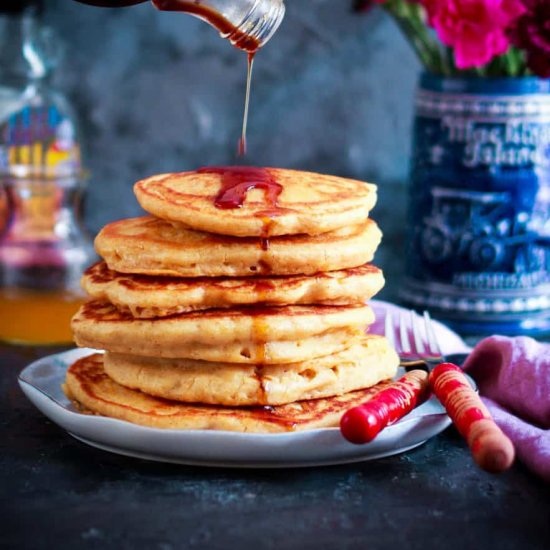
(39, 141)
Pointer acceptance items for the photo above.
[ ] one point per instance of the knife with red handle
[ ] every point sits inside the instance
(490, 446)
(363, 423)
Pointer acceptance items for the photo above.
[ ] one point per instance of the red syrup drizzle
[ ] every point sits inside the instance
(238, 180)
(242, 141)
(237, 37)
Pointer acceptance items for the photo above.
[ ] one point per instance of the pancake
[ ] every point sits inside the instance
(309, 203)
(93, 390)
(362, 365)
(254, 353)
(150, 246)
(100, 325)
(146, 297)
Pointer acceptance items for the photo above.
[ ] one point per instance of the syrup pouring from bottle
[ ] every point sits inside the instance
(247, 24)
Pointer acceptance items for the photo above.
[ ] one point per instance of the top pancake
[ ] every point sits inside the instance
(309, 203)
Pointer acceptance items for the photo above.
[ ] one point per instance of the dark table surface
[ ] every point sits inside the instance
(59, 493)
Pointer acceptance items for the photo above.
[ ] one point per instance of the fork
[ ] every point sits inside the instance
(491, 448)
(425, 351)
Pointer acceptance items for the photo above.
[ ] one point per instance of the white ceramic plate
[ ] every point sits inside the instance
(41, 382)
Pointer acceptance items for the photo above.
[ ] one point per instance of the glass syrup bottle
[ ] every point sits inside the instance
(43, 248)
(247, 24)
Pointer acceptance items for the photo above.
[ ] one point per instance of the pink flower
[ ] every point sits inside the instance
(531, 32)
(474, 28)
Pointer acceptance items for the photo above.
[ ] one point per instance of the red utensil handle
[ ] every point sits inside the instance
(363, 423)
(491, 448)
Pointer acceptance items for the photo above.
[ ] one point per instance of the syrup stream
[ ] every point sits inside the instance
(242, 141)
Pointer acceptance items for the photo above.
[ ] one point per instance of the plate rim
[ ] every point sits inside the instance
(242, 465)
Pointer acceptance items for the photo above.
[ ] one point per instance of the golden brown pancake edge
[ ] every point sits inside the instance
(90, 387)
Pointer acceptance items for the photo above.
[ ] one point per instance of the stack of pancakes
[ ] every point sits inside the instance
(250, 317)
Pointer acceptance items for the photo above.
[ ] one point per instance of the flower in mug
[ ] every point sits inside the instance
(475, 29)
(531, 32)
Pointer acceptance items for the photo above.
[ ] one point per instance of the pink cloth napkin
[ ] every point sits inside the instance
(513, 376)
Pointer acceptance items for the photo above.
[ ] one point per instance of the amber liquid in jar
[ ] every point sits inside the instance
(37, 318)
(43, 253)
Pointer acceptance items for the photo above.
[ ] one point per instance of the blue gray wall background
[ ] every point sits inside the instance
(155, 92)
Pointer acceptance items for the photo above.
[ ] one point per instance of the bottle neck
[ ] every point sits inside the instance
(247, 24)
(21, 60)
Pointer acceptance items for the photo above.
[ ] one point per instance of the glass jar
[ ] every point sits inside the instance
(43, 248)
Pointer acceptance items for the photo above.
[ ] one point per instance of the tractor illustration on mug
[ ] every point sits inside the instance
(482, 231)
